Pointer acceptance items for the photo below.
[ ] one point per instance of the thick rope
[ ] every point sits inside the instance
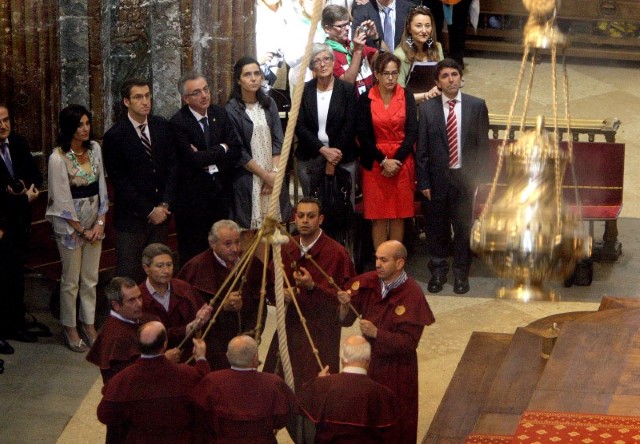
(275, 198)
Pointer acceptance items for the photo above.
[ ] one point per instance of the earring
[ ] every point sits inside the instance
(429, 43)
(410, 41)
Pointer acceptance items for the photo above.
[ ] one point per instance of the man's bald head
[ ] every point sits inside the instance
(390, 259)
(152, 338)
(355, 351)
(242, 352)
(396, 248)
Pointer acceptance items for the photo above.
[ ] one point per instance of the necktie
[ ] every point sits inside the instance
(145, 140)
(205, 128)
(7, 157)
(452, 135)
(387, 28)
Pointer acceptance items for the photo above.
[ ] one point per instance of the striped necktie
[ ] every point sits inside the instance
(145, 140)
(452, 135)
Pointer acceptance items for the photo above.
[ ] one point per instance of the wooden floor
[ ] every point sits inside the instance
(594, 367)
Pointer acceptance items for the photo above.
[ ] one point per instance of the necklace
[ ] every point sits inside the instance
(77, 154)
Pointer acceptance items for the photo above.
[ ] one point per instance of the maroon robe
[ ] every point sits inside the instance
(184, 303)
(207, 274)
(350, 408)
(400, 319)
(243, 406)
(149, 401)
(116, 346)
(319, 306)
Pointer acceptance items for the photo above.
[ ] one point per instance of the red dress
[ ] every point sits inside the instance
(388, 197)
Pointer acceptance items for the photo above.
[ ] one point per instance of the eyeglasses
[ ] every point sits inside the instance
(199, 92)
(139, 97)
(322, 61)
(391, 74)
(342, 26)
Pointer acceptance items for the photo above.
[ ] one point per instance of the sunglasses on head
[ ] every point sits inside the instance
(420, 8)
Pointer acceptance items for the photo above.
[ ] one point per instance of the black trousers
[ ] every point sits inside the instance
(452, 215)
(129, 247)
(193, 225)
(457, 30)
(13, 250)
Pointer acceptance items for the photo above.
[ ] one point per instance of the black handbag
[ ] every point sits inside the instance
(334, 193)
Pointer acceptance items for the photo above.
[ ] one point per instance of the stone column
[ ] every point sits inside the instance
(165, 56)
(74, 53)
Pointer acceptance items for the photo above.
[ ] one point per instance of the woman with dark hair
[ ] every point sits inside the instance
(256, 120)
(76, 208)
(387, 130)
(419, 51)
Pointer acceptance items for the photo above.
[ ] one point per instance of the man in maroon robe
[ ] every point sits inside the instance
(207, 272)
(317, 298)
(116, 346)
(394, 312)
(240, 404)
(350, 406)
(179, 307)
(149, 400)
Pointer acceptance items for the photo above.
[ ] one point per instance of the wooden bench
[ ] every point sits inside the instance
(605, 29)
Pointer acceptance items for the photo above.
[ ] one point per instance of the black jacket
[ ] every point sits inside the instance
(140, 183)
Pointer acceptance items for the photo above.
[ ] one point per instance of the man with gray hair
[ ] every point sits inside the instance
(208, 148)
(350, 406)
(207, 271)
(116, 346)
(241, 404)
(174, 301)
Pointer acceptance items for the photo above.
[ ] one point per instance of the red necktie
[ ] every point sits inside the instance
(452, 135)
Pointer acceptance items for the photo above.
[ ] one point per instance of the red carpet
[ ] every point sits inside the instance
(553, 428)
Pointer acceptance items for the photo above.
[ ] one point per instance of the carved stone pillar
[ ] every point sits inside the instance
(74, 53)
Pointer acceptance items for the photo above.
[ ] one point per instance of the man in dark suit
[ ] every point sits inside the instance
(208, 148)
(377, 11)
(19, 180)
(451, 157)
(139, 153)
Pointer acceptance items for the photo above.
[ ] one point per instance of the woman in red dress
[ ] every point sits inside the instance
(387, 129)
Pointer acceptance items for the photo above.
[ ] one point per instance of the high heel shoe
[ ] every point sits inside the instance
(88, 341)
(79, 347)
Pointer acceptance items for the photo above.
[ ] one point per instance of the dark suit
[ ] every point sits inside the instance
(456, 31)
(15, 222)
(369, 11)
(451, 190)
(202, 198)
(140, 183)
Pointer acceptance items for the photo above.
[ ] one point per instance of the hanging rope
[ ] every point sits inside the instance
(275, 198)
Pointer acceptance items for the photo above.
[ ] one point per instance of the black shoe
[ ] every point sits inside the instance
(5, 348)
(25, 336)
(461, 285)
(436, 283)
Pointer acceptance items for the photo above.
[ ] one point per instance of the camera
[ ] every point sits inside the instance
(363, 28)
(17, 186)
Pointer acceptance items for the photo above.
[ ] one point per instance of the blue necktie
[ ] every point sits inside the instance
(7, 157)
(387, 28)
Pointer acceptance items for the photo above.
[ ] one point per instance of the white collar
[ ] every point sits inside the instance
(117, 315)
(354, 370)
